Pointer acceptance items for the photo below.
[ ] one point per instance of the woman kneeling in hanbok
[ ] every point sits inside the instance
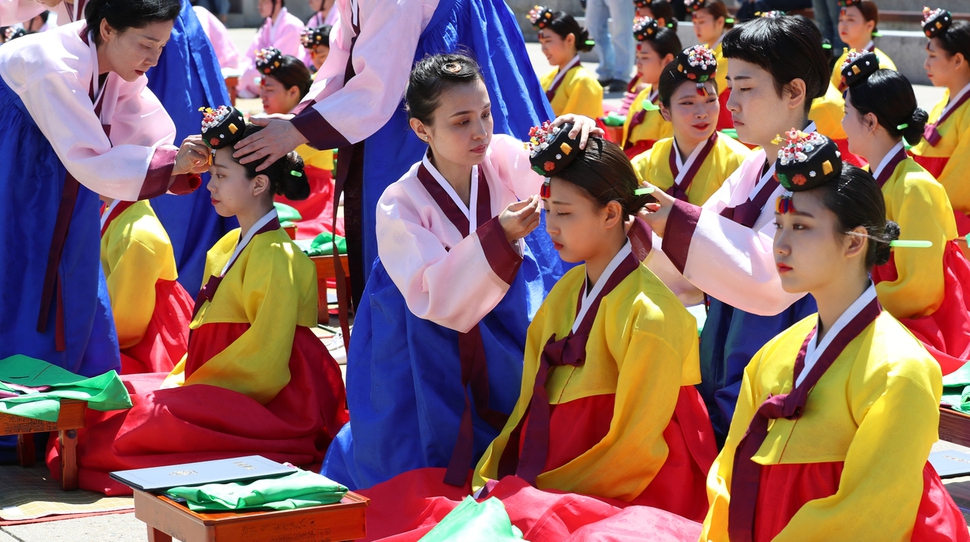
(837, 414)
(256, 380)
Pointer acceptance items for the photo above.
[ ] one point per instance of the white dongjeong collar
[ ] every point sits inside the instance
(562, 73)
(815, 350)
(469, 211)
(886, 159)
(600, 283)
(107, 212)
(249, 237)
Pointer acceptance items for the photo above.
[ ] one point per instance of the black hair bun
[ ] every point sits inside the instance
(936, 21)
(12, 33)
(645, 28)
(540, 17)
(858, 66)
(693, 5)
(697, 63)
(222, 127)
(806, 161)
(884, 249)
(318, 35)
(294, 184)
(551, 149)
(268, 60)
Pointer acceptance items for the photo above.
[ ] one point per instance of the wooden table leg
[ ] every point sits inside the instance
(154, 535)
(68, 459)
(26, 454)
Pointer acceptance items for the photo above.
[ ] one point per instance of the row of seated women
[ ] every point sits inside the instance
(475, 356)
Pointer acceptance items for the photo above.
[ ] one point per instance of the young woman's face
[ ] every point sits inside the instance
(266, 7)
(857, 128)
(461, 127)
(809, 253)
(641, 12)
(694, 116)
(574, 222)
(941, 67)
(319, 54)
(558, 50)
(759, 113)
(649, 63)
(133, 52)
(315, 5)
(706, 27)
(854, 29)
(231, 190)
(276, 98)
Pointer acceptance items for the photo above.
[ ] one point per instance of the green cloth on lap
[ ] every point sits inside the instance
(473, 521)
(323, 244)
(298, 490)
(103, 392)
(956, 389)
(287, 213)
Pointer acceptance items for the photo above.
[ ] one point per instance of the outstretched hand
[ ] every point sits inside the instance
(273, 142)
(192, 156)
(656, 214)
(582, 127)
(520, 218)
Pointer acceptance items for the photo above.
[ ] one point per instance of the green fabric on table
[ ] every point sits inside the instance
(103, 392)
(473, 521)
(956, 389)
(322, 244)
(287, 213)
(613, 119)
(298, 490)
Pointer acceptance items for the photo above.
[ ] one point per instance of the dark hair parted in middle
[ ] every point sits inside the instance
(431, 76)
(605, 172)
(956, 39)
(286, 175)
(665, 42)
(292, 72)
(124, 14)
(889, 96)
(785, 47)
(564, 24)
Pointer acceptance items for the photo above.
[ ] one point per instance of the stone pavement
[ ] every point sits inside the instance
(124, 527)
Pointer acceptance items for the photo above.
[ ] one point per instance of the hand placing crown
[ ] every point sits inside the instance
(268, 59)
(936, 21)
(222, 127)
(858, 66)
(540, 17)
(645, 28)
(807, 160)
(693, 5)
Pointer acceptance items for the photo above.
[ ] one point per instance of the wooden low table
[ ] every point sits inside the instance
(69, 420)
(167, 519)
(954, 426)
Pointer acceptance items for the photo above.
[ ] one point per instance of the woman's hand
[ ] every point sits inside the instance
(51, 3)
(656, 214)
(193, 156)
(520, 218)
(273, 142)
(582, 127)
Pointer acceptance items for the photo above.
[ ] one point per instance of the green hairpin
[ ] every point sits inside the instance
(902, 126)
(296, 173)
(910, 243)
(644, 191)
(590, 43)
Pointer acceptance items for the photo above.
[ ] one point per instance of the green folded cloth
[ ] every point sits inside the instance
(649, 106)
(323, 244)
(298, 490)
(287, 213)
(32, 388)
(473, 521)
(612, 119)
(956, 389)
(730, 132)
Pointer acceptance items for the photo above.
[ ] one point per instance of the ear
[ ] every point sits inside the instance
(855, 245)
(664, 112)
(667, 59)
(796, 93)
(958, 60)
(870, 26)
(570, 40)
(613, 215)
(260, 184)
(106, 30)
(293, 92)
(419, 129)
(871, 121)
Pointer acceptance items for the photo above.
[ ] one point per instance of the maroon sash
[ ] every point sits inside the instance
(748, 212)
(638, 119)
(471, 349)
(679, 191)
(746, 476)
(569, 350)
(887, 171)
(930, 133)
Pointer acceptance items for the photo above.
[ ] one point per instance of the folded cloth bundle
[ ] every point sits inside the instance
(956, 389)
(298, 490)
(32, 388)
(323, 244)
(473, 521)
